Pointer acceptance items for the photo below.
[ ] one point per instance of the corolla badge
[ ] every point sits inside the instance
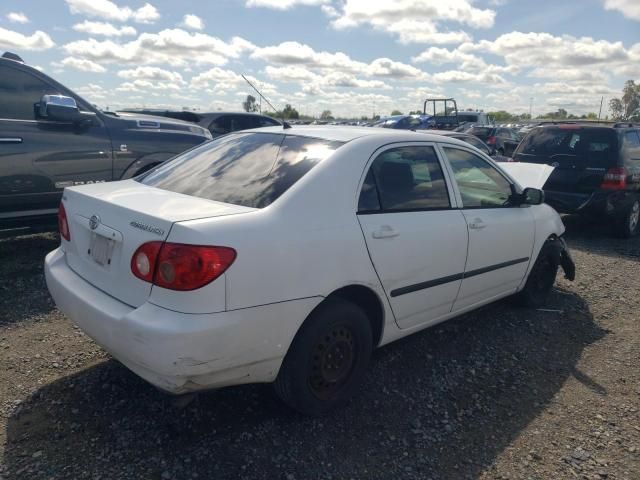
(94, 222)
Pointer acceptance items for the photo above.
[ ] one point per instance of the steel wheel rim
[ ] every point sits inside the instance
(332, 361)
(634, 217)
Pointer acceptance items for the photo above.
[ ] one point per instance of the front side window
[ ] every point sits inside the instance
(403, 179)
(249, 169)
(480, 184)
(19, 91)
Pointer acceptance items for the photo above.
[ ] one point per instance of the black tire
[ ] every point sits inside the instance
(628, 225)
(541, 278)
(327, 359)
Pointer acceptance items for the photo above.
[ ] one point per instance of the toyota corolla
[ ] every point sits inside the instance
(288, 255)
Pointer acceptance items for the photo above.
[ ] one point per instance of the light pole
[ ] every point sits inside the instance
(530, 108)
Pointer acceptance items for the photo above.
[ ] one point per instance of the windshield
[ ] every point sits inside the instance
(249, 169)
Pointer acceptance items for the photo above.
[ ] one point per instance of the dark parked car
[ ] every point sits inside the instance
(475, 141)
(51, 138)
(504, 140)
(218, 123)
(404, 122)
(597, 169)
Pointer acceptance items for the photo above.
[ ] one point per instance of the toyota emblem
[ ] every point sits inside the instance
(94, 221)
(555, 164)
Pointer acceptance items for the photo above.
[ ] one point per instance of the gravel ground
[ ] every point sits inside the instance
(499, 393)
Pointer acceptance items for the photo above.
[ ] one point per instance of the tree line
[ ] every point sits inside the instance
(625, 108)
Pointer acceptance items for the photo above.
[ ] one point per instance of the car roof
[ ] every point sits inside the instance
(346, 133)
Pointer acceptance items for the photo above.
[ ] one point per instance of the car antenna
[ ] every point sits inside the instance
(285, 125)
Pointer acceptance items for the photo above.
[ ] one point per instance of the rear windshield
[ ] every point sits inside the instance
(594, 147)
(249, 169)
(482, 132)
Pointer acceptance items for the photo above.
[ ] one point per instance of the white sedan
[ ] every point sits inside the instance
(287, 255)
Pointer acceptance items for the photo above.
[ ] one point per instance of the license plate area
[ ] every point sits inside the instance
(100, 249)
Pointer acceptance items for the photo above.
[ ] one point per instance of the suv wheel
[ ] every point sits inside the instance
(327, 359)
(629, 224)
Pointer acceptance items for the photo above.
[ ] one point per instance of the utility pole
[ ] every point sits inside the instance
(600, 112)
(530, 108)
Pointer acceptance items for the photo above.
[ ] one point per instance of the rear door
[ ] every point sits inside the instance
(500, 235)
(581, 156)
(415, 238)
(38, 157)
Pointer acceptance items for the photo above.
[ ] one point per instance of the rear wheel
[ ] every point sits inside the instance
(629, 224)
(327, 359)
(541, 278)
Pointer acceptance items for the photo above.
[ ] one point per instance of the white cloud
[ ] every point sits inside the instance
(192, 21)
(146, 14)
(283, 4)
(17, 17)
(334, 79)
(174, 47)
(413, 21)
(103, 28)
(83, 64)
(535, 49)
(110, 11)
(294, 53)
(153, 74)
(629, 8)
(385, 67)
(17, 41)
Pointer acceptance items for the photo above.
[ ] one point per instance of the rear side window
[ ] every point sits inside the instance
(404, 179)
(249, 169)
(19, 91)
(631, 139)
(572, 146)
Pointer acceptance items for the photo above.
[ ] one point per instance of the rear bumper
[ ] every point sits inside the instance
(600, 202)
(179, 352)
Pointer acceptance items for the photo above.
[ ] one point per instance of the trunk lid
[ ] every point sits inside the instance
(109, 221)
(581, 156)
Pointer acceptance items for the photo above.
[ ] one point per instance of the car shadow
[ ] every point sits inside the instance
(586, 234)
(23, 292)
(442, 403)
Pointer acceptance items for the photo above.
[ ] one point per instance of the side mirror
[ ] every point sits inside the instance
(62, 109)
(532, 196)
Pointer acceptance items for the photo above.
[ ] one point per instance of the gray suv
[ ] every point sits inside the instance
(51, 138)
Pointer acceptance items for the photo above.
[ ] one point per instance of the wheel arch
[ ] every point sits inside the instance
(367, 299)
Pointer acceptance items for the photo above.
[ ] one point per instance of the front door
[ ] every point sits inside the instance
(416, 241)
(38, 158)
(501, 235)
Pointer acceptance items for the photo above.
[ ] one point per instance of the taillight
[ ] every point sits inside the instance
(615, 179)
(178, 266)
(63, 223)
(491, 140)
(143, 262)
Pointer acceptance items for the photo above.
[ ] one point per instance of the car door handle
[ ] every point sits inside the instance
(477, 224)
(10, 140)
(385, 232)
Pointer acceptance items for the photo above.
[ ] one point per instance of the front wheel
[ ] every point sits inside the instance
(541, 278)
(327, 359)
(629, 224)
